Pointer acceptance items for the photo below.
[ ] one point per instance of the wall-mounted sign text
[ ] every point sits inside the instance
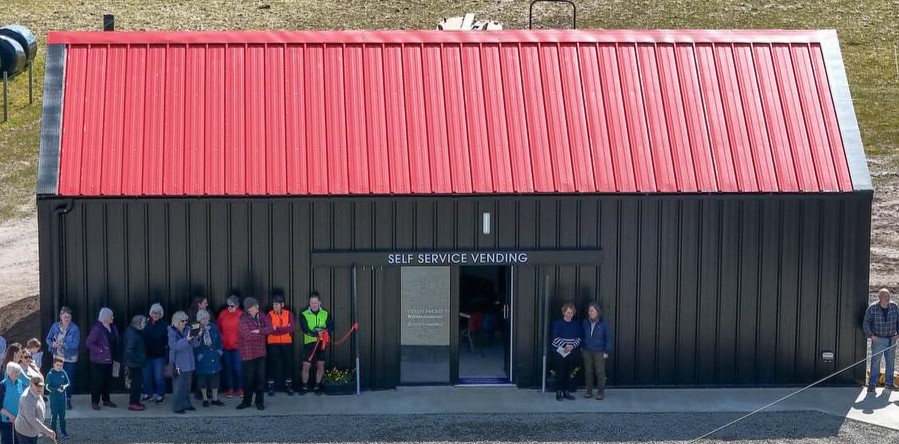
(463, 258)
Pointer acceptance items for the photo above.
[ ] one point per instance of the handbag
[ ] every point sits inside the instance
(169, 370)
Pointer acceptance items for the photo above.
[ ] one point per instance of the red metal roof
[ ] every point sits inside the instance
(431, 112)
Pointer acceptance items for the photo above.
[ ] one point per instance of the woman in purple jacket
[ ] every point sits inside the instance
(103, 344)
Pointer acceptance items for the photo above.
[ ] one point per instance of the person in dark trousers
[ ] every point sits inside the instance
(57, 383)
(103, 344)
(252, 329)
(566, 339)
(156, 339)
(181, 355)
(11, 389)
(316, 324)
(280, 346)
(595, 349)
(208, 354)
(64, 341)
(881, 325)
(135, 358)
(228, 320)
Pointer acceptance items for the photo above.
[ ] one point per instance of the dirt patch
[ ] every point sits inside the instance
(18, 260)
(884, 224)
(20, 320)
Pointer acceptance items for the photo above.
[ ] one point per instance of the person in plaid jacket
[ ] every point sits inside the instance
(881, 325)
(252, 329)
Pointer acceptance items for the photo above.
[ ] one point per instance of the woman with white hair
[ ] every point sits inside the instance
(156, 339)
(103, 344)
(209, 360)
(181, 355)
(11, 389)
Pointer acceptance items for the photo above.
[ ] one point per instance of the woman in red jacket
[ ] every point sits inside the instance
(227, 322)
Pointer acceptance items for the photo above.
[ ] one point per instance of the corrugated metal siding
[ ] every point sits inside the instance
(361, 113)
(700, 291)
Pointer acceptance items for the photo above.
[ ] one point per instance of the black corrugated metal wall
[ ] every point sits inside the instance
(701, 290)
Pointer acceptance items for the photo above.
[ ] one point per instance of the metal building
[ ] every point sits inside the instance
(708, 188)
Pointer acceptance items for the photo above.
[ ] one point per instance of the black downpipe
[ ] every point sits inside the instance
(59, 270)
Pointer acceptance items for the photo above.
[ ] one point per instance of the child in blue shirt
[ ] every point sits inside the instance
(57, 382)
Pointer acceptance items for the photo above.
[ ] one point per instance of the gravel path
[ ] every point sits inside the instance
(778, 427)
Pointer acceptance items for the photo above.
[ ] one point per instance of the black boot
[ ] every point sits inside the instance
(567, 395)
(558, 395)
(288, 386)
(270, 387)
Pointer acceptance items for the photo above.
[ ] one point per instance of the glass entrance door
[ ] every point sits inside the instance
(425, 295)
(485, 297)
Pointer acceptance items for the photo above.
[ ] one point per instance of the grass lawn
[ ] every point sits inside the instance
(868, 31)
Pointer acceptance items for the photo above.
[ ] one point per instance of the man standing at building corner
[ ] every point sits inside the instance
(881, 325)
(252, 329)
(317, 327)
(280, 356)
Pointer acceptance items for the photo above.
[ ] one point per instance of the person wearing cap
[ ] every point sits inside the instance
(11, 389)
(316, 324)
(881, 325)
(280, 346)
(252, 328)
(29, 423)
(103, 344)
(228, 319)
(595, 349)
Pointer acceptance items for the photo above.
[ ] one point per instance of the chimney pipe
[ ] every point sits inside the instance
(108, 22)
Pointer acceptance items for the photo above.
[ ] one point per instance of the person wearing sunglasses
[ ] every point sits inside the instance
(28, 365)
(29, 423)
(181, 355)
(232, 369)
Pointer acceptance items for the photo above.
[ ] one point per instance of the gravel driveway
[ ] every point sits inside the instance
(777, 427)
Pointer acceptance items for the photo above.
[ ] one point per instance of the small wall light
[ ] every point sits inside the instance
(827, 356)
(485, 225)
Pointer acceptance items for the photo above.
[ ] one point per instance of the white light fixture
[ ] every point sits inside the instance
(485, 226)
(827, 356)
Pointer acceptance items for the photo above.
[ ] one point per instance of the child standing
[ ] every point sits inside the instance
(57, 382)
(33, 346)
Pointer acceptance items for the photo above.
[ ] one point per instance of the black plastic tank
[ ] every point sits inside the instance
(12, 57)
(25, 38)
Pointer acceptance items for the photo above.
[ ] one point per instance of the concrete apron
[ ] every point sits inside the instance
(880, 408)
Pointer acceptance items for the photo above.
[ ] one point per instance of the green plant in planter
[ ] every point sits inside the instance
(336, 375)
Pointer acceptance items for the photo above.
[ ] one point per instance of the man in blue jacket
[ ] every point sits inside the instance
(595, 350)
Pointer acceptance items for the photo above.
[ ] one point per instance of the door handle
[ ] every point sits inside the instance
(506, 311)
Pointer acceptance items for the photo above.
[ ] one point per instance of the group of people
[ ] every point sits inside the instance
(243, 351)
(589, 340)
(22, 392)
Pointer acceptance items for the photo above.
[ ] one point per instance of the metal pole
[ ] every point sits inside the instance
(5, 96)
(356, 334)
(545, 327)
(30, 84)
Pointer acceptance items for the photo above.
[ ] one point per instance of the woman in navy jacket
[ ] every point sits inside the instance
(595, 349)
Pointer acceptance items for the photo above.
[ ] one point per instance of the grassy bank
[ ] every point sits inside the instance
(868, 33)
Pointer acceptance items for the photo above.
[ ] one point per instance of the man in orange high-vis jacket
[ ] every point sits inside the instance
(280, 359)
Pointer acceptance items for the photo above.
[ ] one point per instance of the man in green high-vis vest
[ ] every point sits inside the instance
(317, 326)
